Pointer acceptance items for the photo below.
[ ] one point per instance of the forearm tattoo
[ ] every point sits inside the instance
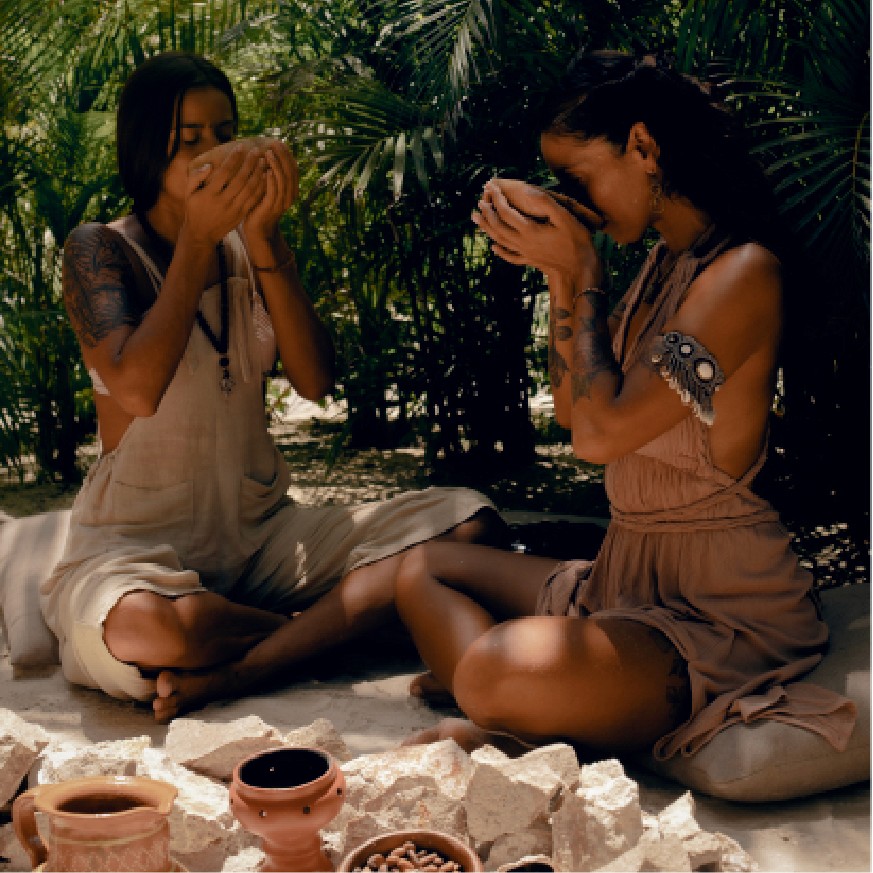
(97, 275)
(560, 329)
(592, 350)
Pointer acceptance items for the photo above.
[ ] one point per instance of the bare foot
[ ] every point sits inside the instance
(180, 692)
(426, 687)
(468, 736)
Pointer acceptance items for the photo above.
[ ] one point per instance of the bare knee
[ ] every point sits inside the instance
(147, 629)
(411, 574)
(486, 527)
(482, 686)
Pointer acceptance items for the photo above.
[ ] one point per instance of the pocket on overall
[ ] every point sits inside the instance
(147, 515)
(259, 501)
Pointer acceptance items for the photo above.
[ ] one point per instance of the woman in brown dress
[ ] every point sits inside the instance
(695, 613)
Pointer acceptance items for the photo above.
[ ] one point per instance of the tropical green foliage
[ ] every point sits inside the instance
(399, 111)
(59, 73)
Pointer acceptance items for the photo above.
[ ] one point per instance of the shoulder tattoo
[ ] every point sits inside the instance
(97, 276)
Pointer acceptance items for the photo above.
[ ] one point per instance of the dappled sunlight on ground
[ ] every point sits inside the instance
(557, 482)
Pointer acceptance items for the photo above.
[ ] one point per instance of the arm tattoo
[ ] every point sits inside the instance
(97, 282)
(592, 353)
(558, 366)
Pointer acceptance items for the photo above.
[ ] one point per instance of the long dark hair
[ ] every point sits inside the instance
(704, 154)
(149, 109)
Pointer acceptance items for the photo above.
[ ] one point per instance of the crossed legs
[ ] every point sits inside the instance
(202, 647)
(606, 684)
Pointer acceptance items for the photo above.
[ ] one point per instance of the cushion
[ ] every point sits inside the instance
(30, 548)
(769, 760)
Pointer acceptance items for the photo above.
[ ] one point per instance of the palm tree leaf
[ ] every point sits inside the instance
(399, 164)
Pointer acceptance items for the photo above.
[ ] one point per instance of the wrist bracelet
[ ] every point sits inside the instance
(592, 290)
(289, 261)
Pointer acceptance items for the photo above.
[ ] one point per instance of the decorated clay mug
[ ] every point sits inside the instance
(98, 823)
(285, 796)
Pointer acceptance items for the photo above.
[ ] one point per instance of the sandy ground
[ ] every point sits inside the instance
(363, 691)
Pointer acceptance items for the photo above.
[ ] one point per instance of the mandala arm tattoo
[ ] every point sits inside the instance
(97, 276)
(592, 351)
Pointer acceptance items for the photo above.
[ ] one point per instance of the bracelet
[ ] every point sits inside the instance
(592, 290)
(289, 261)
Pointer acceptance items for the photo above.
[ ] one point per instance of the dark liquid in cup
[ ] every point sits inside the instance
(285, 768)
(101, 804)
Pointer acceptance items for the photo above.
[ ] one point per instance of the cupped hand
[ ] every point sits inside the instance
(224, 185)
(282, 188)
(528, 226)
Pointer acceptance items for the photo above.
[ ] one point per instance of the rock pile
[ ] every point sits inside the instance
(541, 811)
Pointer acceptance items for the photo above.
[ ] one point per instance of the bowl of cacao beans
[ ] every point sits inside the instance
(401, 851)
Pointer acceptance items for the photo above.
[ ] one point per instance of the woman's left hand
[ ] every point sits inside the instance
(283, 186)
(528, 227)
(282, 181)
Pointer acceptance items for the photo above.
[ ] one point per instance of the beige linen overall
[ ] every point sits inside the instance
(193, 498)
(697, 555)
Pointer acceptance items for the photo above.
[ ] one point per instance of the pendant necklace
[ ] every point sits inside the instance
(221, 342)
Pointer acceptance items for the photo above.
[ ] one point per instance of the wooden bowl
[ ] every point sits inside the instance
(451, 848)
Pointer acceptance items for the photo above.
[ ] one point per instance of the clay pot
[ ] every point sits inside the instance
(286, 796)
(451, 848)
(98, 823)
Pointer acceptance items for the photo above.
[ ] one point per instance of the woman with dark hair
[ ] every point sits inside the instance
(695, 613)
(185, 558)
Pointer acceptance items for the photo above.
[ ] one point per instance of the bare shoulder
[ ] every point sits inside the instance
(749, 273)
(97, 282)
(740, 290)
(91, 249)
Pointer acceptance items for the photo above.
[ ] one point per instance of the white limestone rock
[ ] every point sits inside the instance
(678, 818)
(718, 852)
(214, 750)
(706, 851)
(411, 787)
(507, 795)
(599, 820)
(20, 745)
(370, 777)
(244, 861)
(509, 849)
(654, 852)
(238, 844)
(201, 814)
(321, 734)
(348, 832)
(62, 759)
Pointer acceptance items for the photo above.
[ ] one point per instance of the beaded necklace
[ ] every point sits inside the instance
(221, 342)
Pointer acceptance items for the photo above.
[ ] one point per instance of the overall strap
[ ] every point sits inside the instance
(147, 264)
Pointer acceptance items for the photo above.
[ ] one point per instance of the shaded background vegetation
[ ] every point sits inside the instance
(398, 112)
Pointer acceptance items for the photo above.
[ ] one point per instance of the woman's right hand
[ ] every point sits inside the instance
(224, 185)
(529, 226)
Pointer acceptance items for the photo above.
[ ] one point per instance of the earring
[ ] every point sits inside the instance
(656, 197)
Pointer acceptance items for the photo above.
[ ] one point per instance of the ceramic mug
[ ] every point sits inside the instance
(285, 796)
(98, 823)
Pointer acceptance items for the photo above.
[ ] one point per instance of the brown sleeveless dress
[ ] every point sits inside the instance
(697, 555)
